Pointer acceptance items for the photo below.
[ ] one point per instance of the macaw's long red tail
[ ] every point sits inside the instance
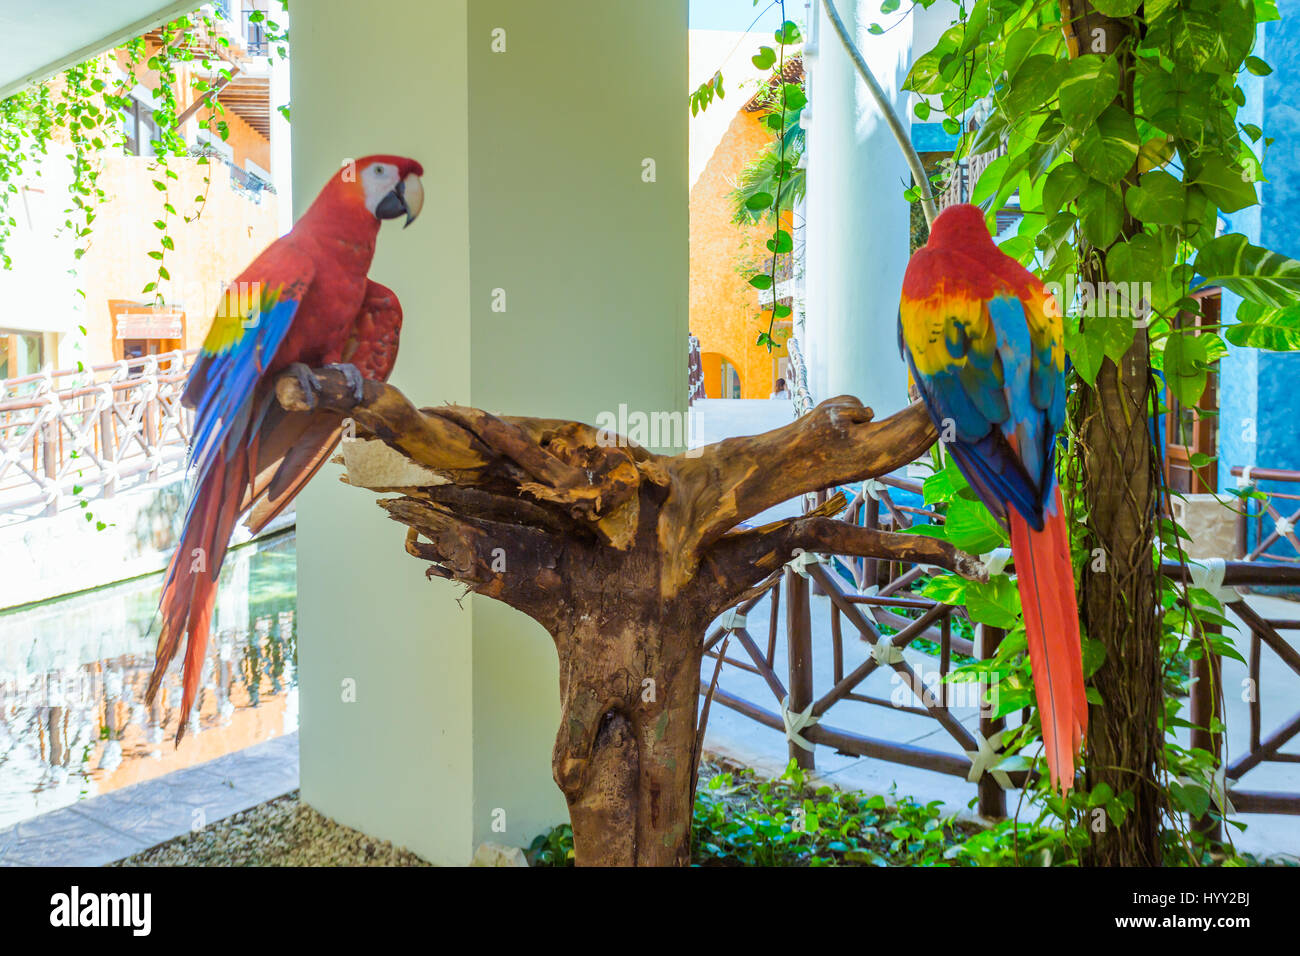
(1046, 580)
(190, 588)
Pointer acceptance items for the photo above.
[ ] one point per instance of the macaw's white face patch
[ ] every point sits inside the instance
(378, 180)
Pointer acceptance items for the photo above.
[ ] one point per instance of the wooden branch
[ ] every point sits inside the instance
(624, 556)
(719, 486)
(505, 507)
(438, 444)
(736, 562)
(839, 537)
(593, 482)
(513, 564)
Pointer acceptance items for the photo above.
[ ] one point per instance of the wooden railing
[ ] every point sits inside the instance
(80, 433)
(1207, 690)
(874, 598)
(1282, 527)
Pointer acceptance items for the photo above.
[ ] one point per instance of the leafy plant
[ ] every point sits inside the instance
(742, 820)
(774, 176)
(1123, 140)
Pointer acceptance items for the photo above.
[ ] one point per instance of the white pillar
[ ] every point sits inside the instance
(534, 160)
(858, 222)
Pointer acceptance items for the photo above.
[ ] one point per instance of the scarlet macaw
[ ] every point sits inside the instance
(984, 342)
(305, 302)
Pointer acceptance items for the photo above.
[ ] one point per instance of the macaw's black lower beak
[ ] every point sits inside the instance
(394, 205)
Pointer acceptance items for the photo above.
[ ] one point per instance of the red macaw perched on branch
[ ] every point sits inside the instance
(984, 341)
(305, 302)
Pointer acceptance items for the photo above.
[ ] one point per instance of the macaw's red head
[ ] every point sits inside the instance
(980, 268)
(962, 228)
(387, 186)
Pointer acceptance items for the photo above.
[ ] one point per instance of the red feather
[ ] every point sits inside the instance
(1045, 578)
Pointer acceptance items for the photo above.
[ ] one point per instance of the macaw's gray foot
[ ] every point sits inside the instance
(354, 379)
(307, 381)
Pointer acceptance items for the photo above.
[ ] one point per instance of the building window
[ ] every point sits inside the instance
(141, 329)
(21, 353)
(255, 34)
(1193, 430)
(139, 348)
(139, 128)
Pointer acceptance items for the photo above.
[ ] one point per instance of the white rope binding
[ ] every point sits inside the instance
(1244, 480)
(733, 620)
(1207, 574)
(885, 653)
(800, 562)
(796, 723)
(995, 561)
(986, 758)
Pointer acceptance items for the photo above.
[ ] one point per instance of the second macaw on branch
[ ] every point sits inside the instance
(305, 302)
(984, 341)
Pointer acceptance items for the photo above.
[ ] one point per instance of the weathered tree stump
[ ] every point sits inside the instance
(625, 557)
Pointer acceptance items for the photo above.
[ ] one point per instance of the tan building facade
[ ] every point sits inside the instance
(58, 312)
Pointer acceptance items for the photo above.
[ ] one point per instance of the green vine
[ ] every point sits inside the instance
(783, 104)
(82, 105)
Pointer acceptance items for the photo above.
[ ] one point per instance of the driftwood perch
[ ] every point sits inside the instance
(625, 557)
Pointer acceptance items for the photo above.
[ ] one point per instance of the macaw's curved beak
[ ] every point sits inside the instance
(406, 199)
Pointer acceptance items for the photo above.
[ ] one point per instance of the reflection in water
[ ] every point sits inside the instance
(73, 722)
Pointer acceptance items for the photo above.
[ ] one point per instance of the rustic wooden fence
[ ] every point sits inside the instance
(90, 429)
(1254, 514)
(1226, 578)
(872, 596)
(875, 600)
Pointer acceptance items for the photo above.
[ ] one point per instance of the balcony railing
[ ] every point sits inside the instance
(77, 434)
(254, 36)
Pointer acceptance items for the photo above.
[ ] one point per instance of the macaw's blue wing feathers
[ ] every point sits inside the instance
(230, 396)
(972, 380)
(250, 325)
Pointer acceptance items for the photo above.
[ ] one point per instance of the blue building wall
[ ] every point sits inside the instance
(1239, 369)
(933, 138)
(1259, 392)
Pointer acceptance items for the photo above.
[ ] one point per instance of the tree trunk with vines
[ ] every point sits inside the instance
(1118, 478)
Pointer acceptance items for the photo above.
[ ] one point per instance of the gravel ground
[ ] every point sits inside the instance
(280, 832)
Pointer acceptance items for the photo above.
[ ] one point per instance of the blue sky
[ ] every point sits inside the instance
(738, 14)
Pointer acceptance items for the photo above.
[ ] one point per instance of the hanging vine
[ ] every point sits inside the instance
(82, 107)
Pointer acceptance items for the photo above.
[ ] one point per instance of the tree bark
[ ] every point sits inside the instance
(1118, 476)
(625, 557)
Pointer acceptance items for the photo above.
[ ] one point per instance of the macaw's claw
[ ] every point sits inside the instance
(307, 381)
(356, 381)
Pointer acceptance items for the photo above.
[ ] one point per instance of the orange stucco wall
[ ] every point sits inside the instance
(211, 250)
(725, 314)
